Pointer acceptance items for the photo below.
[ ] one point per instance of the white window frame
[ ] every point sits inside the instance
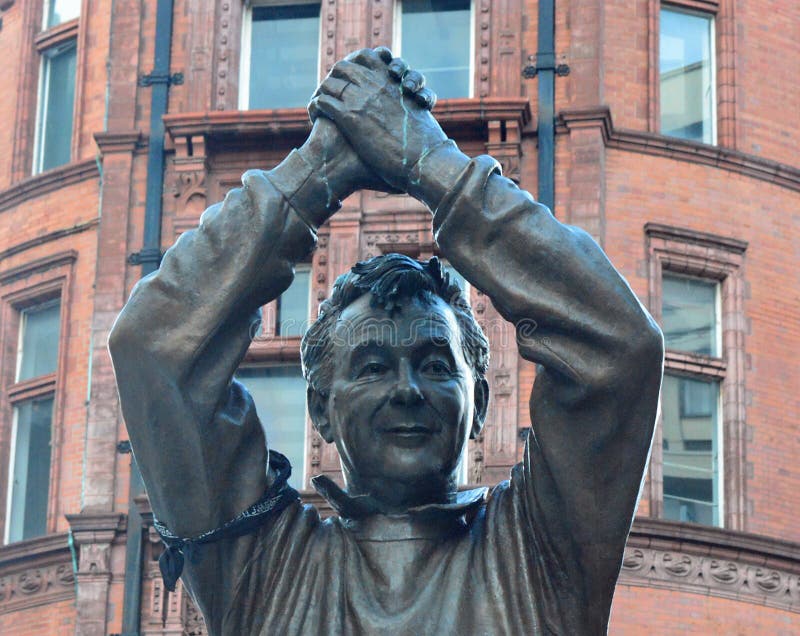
(712, 18)
(12, 457)
(23, 322)
(718, 477)
(46, 16)
(306, 449)
(43, 94)
(12, 461)
(397, 40)
(247, 30)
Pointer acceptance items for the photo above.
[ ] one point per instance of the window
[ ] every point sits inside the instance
(689, 405)
(56, 100)
(697, 291)
(280, 55)
(687, 76)
(436, 38)
(273, 376)
(292, 309)
(32, 403)
(279, 393)
(60, 11)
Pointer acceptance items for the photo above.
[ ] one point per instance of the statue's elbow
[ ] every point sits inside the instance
(645, 347)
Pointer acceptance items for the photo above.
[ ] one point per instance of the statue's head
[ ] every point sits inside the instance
(396, 369)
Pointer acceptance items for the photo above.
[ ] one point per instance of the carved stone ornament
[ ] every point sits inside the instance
(717, 577)
(36, 586)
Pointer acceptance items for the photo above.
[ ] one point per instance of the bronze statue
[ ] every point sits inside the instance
(407, 553)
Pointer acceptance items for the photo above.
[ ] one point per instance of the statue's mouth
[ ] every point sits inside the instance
(409, 430)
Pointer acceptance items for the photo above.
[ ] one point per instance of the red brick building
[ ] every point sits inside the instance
(675, 137)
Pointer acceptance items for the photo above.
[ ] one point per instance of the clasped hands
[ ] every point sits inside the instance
(372, 123)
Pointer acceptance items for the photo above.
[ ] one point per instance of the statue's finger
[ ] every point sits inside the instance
(369, 59)
(326, 106)
(397, 68)
(345, 70)
(413, 81)
(426, 98)
(334, 87)
(313, 110)
(385, 54)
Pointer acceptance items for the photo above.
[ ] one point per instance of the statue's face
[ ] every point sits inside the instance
(402, 397)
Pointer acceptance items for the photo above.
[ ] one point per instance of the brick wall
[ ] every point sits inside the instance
(610, 185)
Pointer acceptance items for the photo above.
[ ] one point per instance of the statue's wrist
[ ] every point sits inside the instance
(301, 178)
(436, 172)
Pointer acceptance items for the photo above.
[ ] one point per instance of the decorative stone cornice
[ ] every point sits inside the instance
(46, 238)
(680, 149)
(119, 141)
(95, 527)
(39, 265)
(713, 561)
(49, 181)
(35, 572)
(455, 112)
(703, 239)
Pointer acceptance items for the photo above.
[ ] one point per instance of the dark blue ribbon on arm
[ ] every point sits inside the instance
(275, 499)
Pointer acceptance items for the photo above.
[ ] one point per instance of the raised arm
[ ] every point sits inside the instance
(185, 329)
(594, 401)
(600, 354)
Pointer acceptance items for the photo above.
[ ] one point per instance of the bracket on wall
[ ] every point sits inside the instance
(145, 256)
(175, 79)
(545, 62)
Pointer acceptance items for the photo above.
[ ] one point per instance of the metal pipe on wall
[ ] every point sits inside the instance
(545, 65)
(159, 81)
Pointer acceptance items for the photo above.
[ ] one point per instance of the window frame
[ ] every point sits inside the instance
(37, 39)
(23, 288)
(397, 39)
(46, 16)
(269, 349)
(303, 470)
(45, 57)
(711, 369)
(699, 255)
(712, 16)
(245, 48)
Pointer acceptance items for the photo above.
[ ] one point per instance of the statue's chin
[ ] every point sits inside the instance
(402, 488)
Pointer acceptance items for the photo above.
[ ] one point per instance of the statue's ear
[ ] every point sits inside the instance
(481, 406)
(318, 410)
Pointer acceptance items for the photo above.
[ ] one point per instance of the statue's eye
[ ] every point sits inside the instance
(371, 369)
(437, 367)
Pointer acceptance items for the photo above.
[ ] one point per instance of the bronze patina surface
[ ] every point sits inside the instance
(406, 553)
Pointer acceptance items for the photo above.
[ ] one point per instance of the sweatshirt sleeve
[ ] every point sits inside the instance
(594, 400)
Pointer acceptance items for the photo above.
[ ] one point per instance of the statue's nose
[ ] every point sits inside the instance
(406, 391)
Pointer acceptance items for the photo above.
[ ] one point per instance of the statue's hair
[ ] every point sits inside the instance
(391, 279)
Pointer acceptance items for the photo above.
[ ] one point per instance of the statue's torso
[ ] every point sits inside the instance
(449, 574)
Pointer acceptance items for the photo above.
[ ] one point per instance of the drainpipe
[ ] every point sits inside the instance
(159, 80)
(544, 65)
(546, 61)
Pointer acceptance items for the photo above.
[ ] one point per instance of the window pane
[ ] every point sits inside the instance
(30, 470)
(280, 397)
(55, 108)
(38, 353)
(59, 11)
(690, 450)
(284, 55)
(690, 315)
(293, 306)
(687, 90)
(436, 42)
